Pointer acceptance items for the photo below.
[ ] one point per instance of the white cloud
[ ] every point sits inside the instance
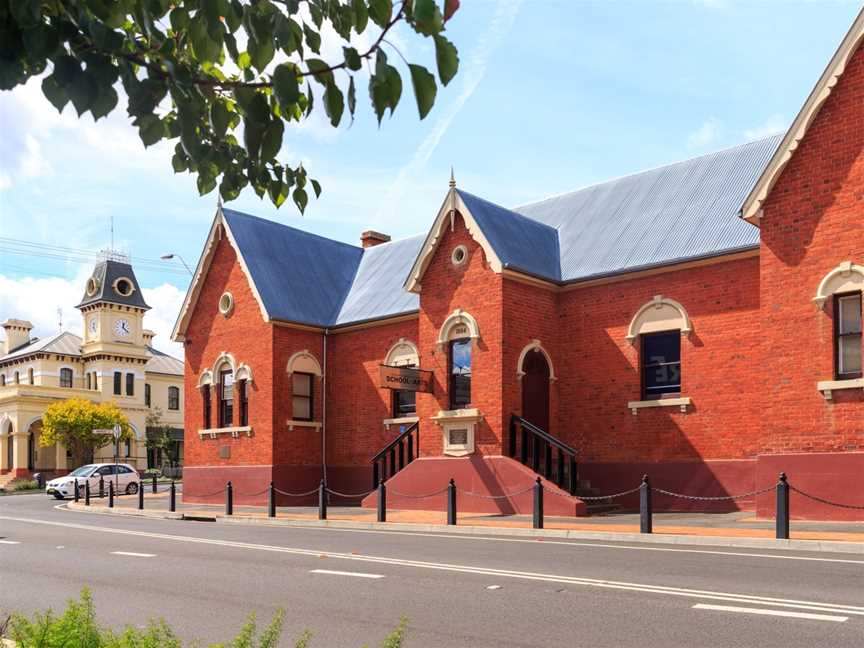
(472, 73)
(707, 134)
(771, 126)
(37, 299)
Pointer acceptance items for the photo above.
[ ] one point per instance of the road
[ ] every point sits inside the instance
(351, 587)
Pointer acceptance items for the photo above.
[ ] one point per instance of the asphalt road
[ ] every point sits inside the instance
(205, 578)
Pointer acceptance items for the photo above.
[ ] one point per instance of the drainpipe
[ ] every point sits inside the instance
(324, 413)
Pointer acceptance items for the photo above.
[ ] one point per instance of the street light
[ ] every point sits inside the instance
(168, 257)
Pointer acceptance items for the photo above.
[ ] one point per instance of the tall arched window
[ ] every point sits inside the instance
(173, 398)
(659, 326)
(303, 368)
(457, 335)
(226, 397)
(403, 354)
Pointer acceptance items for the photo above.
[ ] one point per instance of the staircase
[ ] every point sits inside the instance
(6, 479)
(397, 454)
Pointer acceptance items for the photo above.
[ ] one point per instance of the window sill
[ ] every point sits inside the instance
(681, 402)
(233, 431)
(404, 420)
(292, 423)
(468, 415)
(828, 386)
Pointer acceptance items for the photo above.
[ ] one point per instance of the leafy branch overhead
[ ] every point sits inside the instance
(223, 77)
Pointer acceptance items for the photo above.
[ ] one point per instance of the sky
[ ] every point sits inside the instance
(551, 96)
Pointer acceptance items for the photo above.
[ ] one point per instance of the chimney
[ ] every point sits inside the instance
(148, 336)
(370, 238)
(17, 334)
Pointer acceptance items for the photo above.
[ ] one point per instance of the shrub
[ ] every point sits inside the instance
(78, 627)
(24, 484)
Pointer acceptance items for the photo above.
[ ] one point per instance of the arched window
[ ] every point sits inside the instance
(403, 354)
(173, 398)
(843, 287)
(89, 380)
(147, 394)
(243, 379)
(457, 335)
(65, 377)
(205, 384)
(303, 367)
(659, 326)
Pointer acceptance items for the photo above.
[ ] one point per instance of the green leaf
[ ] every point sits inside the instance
(379, 11)
(278, 192)
(361, 15)
(179, 19)
(447, 59)
(352, 98)
(105, 102)
(219, 118)
(83, 92)
(424, 88)
(310, 99)
(352, 58)
(206, 183)
(54, 92)
(427, 17)
(321, 71)
(257, 109)
(244, 61)
(271, 142)
(334, 103)
(289, 35)
(261, 52)
(316, 187)
(203, 46)
(317, 16)
(313, 38)
(253, 135)
(300, 199)
(285, 85)
(178, 163)
(150, 129)
(26, 12)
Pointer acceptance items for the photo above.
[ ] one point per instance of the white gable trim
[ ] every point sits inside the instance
(193, 293)
(452, 203)
(751, 210)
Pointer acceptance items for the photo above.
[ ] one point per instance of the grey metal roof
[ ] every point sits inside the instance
(106, 273)
(681, 211)
(163, 363)
(301, 277)
(63, 343)
(377, 288)
(521, 243)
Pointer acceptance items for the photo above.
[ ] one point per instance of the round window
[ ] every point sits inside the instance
(123, 287)
(92, 286)
(459, 256)
(226, 304)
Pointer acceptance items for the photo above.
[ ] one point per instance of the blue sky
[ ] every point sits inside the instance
(552, 95)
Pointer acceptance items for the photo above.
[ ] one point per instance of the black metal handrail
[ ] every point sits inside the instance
(536, 442)
(396, 455)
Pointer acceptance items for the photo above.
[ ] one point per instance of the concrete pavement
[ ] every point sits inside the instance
(350, 586)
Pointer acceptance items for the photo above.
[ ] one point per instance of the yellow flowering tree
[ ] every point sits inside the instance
(72, 423)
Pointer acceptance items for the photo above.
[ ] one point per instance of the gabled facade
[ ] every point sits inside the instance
(635, 326)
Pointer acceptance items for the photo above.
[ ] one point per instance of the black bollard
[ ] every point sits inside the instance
(172, 500)
(646, 523)
(110, 494)
(140, 495)
(538, 504)
(382, 502)
(782, 518)
(271, 501)
(77, 494)
(229, 499)
(153, 483)
(101, 486)
(87, 493)
(451, 502)
(322, 501)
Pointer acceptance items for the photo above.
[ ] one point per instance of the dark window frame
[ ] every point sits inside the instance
(243, 386)
(147, 395)
(452, 377)
(118, 383)
(30, 375)
(226, 405)
(17, 378)
(67, 377)
(838, 336)
(310, 397)
(174, 398)
(644, 367)
(130, 384)
(208, 405)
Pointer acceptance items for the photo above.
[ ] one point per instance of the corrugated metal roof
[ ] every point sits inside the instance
(301, 277)
(163, 363)
(682, 211)
(377, 288)
(64, 343)
(521, 243)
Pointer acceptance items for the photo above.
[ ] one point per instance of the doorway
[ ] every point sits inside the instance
(535, 389)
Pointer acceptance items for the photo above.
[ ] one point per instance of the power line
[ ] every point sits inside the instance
(83, 258)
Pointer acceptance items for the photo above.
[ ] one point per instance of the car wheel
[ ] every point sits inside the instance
(58, 496)
(132, 488)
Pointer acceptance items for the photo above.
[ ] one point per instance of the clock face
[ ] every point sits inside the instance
(93, 325)
(121, 328)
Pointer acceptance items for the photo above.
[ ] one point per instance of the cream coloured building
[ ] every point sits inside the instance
(115, 361)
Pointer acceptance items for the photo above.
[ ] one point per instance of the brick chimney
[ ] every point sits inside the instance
(371, 237)
(17, 334)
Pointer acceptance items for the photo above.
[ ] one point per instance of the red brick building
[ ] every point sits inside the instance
(700, 322)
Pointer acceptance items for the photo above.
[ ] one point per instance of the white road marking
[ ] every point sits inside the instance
(469, 569)
(133, 554)
(333, 572)
(9, 542)
(780, 613)
(493, 587)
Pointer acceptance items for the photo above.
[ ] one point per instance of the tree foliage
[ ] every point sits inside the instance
(71, 423)
(222, 77)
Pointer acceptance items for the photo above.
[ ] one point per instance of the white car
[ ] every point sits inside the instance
(124, 477)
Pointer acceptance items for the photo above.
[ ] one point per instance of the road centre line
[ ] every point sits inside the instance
(468, 569)
(780, 613)
(9, 542)
(575, 543)
(133, 554)
(333, 572)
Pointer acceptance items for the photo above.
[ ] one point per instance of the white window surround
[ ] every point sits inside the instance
(459, 256)
(404, 420)
(304, 362)
(292, 423)
(458, 325)
(681, 402)
(243, 372)
(226, 304)
(402, 354)
(659, 314)
(235, 432)
(456, 421)
(223, 359)
(206, 379)
(826, 387)
(534, 345)
(845, 278)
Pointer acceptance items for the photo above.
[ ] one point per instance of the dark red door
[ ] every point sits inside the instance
(535, 390)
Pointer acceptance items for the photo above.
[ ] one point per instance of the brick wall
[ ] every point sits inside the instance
(813, 220)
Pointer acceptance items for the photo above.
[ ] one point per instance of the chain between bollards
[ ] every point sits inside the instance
(229, 499)
(111, 494)
(172, 499)
(271, 501)
(141, 495)
(538, 504)
(382, 502)
(451, 502)
(322, 501)
(782, 518)
(646, 513)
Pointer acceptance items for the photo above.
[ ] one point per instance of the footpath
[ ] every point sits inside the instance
(738, 529)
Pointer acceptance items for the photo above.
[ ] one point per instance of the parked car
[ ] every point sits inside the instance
(125, 480)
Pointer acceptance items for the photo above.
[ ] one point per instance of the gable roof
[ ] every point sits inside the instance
(105, 274)
(63, 343)
(163, 363)
(752, 204)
